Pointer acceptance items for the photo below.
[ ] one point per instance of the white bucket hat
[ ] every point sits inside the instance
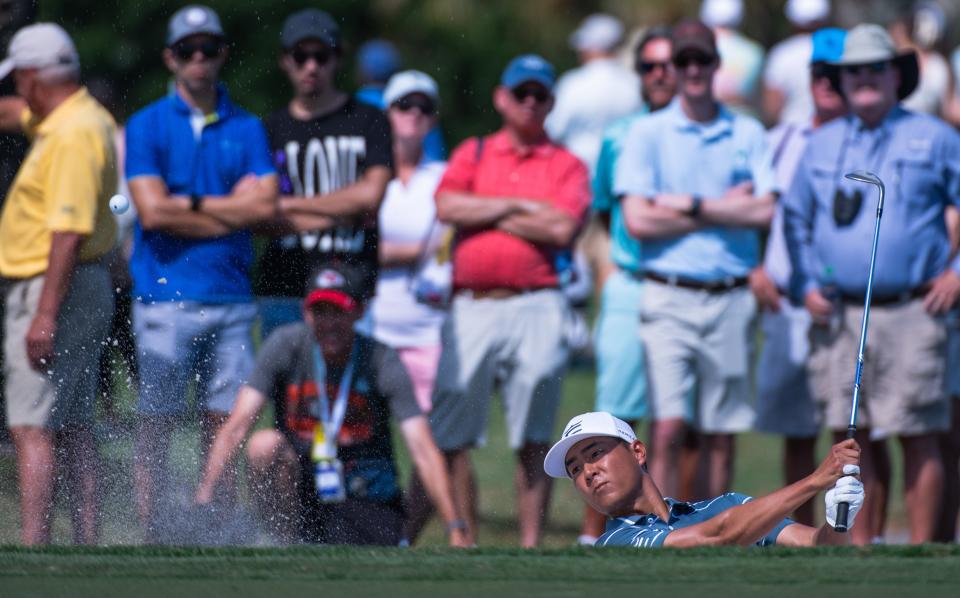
(870, 43)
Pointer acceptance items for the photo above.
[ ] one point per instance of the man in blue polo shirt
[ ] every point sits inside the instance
(829, 223)
(200, 174)
(608, 466)
(696, 187)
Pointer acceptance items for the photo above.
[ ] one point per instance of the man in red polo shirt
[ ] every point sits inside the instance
(517, 200)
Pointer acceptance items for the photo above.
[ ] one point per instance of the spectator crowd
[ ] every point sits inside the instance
(695, 181)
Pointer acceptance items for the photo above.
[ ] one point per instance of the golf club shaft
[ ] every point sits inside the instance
(843, 508)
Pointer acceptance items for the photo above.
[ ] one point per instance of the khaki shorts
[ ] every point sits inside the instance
(902, 389)
(517, 343)
(65, 394)
(700, 345)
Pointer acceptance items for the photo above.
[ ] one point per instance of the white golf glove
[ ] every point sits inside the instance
(848, 489)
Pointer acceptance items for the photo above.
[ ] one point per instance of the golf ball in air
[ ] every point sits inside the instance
(119, 204)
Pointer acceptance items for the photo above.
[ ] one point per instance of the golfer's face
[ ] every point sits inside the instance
(607, 473)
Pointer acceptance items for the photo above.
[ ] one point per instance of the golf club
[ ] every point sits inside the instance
(861, 176)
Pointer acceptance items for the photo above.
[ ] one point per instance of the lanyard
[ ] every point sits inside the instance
(332, 421)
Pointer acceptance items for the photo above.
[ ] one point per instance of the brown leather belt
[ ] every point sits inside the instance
(713, 286)
(498, 293)
(882, 300)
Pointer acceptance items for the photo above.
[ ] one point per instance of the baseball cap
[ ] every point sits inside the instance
(310, 23)
(827, 44)
(338, 284)
(406, 82)
(597, 32)
(586, 425)
(39, 46)
(528, 67)
(807, 12)
(693, 35)
(721, 13)
(377, 60)
(192, 20)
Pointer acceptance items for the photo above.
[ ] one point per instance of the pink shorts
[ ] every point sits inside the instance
(421, 364)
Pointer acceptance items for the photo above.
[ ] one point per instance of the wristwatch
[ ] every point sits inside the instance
(195, 200)
(456, 524)
(696, 202)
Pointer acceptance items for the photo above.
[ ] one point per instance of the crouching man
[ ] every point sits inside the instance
(325, 472)
(608, 466)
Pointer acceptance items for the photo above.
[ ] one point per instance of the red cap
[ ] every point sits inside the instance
(338, 298)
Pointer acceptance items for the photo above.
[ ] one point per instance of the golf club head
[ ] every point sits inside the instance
(865, 176)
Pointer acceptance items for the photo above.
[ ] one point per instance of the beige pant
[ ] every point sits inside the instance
(903, 380)
(701, 345)
(65, 393)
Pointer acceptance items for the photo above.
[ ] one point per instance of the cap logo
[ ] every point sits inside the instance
(195, 16)
(573, 428)
(330, 279)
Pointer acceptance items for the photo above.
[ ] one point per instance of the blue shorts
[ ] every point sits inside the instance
(621, 378)
(183, 342)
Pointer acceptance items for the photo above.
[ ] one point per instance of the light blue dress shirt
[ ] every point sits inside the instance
(918, 158)
(666, 152)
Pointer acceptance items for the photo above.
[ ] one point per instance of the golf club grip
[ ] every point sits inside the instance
(843, 509)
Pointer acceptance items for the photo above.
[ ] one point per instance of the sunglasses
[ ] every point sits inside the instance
(698, 58)
(426, 107)
(321, 57)
(210, 48)
(539, 94)
(873, 67)
(648, 67)
(819, 71)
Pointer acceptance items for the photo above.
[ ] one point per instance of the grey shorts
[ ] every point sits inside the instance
(517, 343)
(784, 402)
(700, 345)
(64, 395)
(183, 342)
(903, 381)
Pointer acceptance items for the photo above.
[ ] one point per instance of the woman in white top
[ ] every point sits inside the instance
(410, 234)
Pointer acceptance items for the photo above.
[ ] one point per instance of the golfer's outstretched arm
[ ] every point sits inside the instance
(745, 524)
(245, 412)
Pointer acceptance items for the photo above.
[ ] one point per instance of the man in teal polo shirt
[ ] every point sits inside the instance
(696, 187)
(200, 174)
(608, 466)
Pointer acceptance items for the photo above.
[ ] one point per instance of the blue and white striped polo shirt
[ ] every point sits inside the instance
(649, 531)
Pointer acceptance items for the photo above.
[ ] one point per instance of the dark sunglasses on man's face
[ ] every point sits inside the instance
(301, 56)
(873, 67)
(426, 107)
(210, 48)
(697, 58)
(648, 67)
(819, 70)
(538, 93)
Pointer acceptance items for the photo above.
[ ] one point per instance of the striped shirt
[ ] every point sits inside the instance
(649, 531)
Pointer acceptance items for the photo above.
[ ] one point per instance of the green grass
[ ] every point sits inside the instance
(930, 571)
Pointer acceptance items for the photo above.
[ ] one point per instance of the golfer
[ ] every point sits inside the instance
(608, 466)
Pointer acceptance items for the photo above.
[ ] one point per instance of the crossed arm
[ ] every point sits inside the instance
(529, 219)
(251, 201)
(300, 214)
(667, 215)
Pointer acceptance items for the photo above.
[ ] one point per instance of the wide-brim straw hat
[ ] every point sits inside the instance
(866, 44)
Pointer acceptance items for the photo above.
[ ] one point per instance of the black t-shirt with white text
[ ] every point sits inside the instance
(314, 158)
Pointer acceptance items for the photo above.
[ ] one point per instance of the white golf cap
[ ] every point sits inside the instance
(721, 13)
(599, 31)
(404, 83)
(39, 46)
(807, 12)
(587, 425)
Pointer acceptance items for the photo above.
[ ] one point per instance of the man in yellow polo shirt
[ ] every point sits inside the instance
(55, 228)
